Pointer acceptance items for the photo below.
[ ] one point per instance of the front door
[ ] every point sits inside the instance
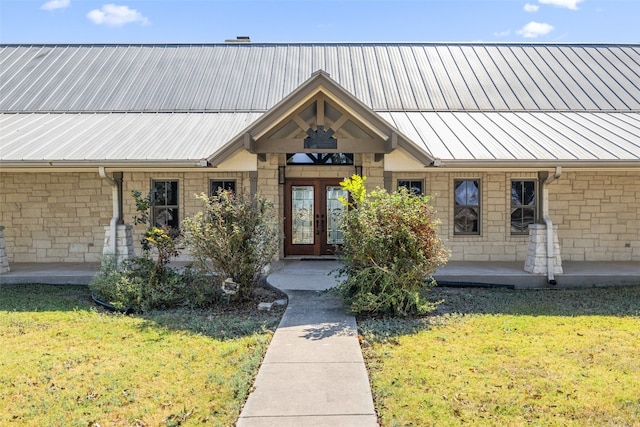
(312, 216)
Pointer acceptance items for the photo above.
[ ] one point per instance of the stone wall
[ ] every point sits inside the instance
(4, 259)
(60, 216)
(54, 217)
(597, 214)
(190, 185)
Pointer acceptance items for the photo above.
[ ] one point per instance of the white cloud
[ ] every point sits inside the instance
(55, 4)
(534, 29)
(531, 8)
(569, 4)
(502, 33)
(116, 16)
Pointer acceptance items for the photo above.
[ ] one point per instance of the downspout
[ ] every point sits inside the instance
(549, 223)
(116, 210)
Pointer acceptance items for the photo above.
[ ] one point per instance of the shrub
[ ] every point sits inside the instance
(391, 248)
(133, 286)
(235, 237)
(142, 283)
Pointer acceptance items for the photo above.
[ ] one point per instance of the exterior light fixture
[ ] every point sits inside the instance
(281, 175)
(359, 170)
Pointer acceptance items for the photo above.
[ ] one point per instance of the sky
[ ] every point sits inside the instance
(213, 21)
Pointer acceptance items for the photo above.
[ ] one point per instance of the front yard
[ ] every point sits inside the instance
(504, 357)
(65, 362)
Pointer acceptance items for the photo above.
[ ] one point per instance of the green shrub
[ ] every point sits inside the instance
(234, 237)
(145, 283)
(390, 250)
(133, 285)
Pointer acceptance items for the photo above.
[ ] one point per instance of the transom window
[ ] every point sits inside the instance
(216, 185)
(320, 159)
(523, 206)
(164, 209)
(414, 185)
(466, 207)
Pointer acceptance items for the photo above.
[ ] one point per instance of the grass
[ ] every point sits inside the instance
(65, 362)
(505, 357)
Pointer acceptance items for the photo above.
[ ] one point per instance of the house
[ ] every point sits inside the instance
(531, 152)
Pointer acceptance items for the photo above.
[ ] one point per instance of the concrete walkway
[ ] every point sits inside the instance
(313, 373)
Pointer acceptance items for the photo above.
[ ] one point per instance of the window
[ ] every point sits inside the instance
(413, 185)
(319, 159)
(466, 208)
(165, 204)
(216, 185)
(523, 206)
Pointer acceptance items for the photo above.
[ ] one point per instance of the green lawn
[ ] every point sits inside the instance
(64, 362)
(504, 357)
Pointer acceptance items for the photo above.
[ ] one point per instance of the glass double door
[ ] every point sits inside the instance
(312, 216)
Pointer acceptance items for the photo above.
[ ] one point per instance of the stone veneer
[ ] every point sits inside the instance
(54, 216)
(60, 216)
(124, 242)
(4, 260)
(537, 262)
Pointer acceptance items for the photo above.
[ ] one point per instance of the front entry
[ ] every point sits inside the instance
(312, 215)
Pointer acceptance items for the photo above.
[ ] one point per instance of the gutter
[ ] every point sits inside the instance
(116, 209)
(547, 220)
(90, 164)
(481, 165)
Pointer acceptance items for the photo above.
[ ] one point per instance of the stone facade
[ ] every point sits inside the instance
(124, 242)
(4, 259)
(60, 216)
(537, 259)
(54, 217)
(598, 215)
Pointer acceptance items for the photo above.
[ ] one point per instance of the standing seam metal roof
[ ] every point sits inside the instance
(384, 76)
(462, 101)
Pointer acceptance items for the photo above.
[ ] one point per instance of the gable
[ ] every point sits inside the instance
(318, 108)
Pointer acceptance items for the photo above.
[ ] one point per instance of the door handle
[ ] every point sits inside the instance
(324, 223)
(317, 224)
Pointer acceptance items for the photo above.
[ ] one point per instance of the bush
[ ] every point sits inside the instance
(391, 248)
(142, 283)
(235, 237)
(133, 285)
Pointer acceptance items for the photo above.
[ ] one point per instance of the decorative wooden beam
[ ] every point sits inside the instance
(320, 111)
(339, 123)
(301, 123)
(249, 143)
(392, 143)
(286, 145)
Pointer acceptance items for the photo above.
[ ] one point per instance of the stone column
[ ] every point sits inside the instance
(536, 261)
(124, 242)
(4, 258)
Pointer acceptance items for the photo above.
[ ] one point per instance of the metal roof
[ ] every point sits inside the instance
(117, 137)
(450, 136)
(384, 76)
(458, 102)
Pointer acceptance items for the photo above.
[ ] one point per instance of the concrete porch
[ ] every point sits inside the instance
(455, 273)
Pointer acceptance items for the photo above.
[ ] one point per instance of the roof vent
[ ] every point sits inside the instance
(239, 39)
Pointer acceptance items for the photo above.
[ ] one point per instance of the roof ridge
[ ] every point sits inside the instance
(317, 43)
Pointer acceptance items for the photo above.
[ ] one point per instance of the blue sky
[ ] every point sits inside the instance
(152, 21)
